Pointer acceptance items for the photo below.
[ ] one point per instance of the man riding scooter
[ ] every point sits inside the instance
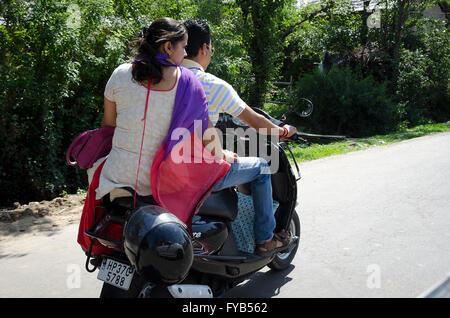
(222, 98)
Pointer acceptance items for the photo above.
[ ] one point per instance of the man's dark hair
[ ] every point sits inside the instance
(198, 33)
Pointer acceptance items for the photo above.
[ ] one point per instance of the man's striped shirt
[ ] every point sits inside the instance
(222, 98)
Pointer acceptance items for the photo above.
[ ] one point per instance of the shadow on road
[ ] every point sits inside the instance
(27, 226)
(262, 284)
(12, 255)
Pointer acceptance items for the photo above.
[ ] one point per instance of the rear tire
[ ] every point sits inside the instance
(283, 260)
(109, 291)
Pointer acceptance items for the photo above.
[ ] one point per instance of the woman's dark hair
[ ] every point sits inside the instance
(150, 40)
(199, 33)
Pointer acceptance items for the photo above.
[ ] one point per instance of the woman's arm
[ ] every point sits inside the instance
(109, 113)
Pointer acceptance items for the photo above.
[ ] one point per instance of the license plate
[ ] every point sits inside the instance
(116, 273)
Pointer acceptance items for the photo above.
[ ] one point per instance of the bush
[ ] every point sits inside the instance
(55, 59)
(36, 74)
(54, 62)
(347, 104)
(423, 81)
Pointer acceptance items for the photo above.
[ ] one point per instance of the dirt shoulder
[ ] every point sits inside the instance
(45, 216)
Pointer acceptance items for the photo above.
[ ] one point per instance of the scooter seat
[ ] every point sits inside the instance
(221, 204)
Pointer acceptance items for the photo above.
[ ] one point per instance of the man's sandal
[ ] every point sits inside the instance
(284, 236)
(270, 247)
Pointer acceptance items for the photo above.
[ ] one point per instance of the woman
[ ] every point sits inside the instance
(124, 108)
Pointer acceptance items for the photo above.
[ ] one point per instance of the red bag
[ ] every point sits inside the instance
(90, 219)
(90, 146)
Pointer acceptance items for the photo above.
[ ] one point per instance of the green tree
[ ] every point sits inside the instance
(263, 37)
(424, 72)
(55, 60)
(36, 75)
(347, 103)
(231, 61)
(399, 21)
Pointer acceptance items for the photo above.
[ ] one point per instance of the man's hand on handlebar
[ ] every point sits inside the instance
(291, 131)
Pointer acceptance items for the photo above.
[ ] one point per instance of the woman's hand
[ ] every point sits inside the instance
(230, 156)
(211, 143)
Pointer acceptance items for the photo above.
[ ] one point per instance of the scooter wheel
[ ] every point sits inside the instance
(282, 260)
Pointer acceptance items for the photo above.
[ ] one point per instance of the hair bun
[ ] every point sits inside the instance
(143, 33)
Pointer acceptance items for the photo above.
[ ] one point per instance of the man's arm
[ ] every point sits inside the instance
(223, 98)
(262, 125)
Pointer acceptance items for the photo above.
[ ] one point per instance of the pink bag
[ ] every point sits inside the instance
(90, 146)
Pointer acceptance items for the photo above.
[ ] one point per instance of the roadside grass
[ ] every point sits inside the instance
(306, 152)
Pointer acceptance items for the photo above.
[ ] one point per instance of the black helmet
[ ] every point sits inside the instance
(158, 245)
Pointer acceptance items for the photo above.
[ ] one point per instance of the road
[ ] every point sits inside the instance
(375, 223)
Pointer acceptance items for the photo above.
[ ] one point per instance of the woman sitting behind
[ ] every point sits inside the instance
(124, 108)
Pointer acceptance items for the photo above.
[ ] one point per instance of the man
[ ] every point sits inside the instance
(222, 98)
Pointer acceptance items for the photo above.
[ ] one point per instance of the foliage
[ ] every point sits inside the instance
(334, 30)
(230, 61)
(406, 58)
(305, 152)
(264, 23)
(347, 103)
(423, 82)
(56, 57)
(55, 60)
(37, 74)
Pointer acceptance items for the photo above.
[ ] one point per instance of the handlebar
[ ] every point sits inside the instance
(295, 137)
(228, 121)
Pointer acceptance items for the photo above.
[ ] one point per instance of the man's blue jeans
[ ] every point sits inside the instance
(257, 171)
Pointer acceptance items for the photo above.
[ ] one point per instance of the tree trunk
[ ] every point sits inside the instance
(400, 19)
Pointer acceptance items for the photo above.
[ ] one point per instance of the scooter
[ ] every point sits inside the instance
(222, 252)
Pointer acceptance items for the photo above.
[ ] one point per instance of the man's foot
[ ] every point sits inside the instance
(283, 236)
(275, 244)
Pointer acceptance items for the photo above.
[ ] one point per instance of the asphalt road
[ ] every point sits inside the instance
(375, 223)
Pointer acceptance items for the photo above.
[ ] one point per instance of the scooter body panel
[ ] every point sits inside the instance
(209, 234)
